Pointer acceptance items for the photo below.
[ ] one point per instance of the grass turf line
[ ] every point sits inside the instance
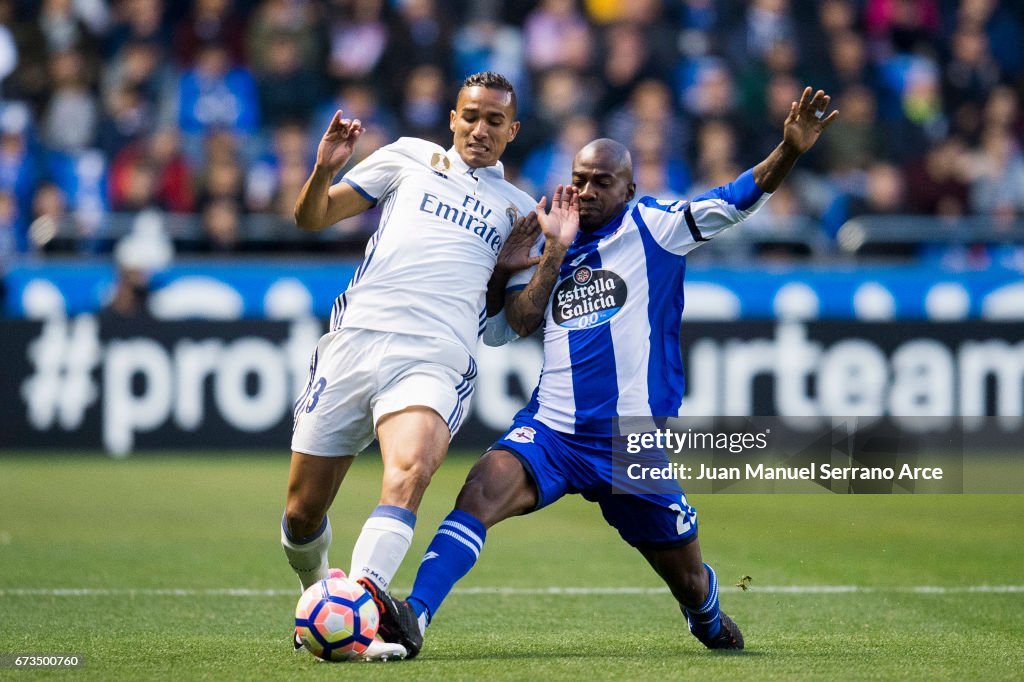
(211, 522)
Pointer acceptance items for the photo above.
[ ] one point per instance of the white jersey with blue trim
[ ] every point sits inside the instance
(612, 326)
(442, 225)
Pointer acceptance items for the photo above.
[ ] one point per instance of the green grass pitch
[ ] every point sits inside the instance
(92, 551)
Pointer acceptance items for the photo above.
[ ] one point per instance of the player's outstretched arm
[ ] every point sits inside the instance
(803, 126)
(525, 308)
(320, 204)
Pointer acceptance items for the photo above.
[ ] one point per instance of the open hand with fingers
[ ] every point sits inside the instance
(338, 142)
(515, 254)
(563, 222)
(806, 119)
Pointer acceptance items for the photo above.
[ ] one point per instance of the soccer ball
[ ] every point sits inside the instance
(336, 619)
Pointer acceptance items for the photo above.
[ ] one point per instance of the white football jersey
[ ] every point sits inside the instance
(442, 225)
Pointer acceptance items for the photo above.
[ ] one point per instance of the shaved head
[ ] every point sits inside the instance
(603, 173)
(610, 156)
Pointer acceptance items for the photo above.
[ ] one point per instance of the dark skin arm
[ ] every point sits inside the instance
(800, 131)
(525, 309)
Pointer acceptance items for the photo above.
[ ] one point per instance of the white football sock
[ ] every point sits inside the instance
(308, 556)
(382, 544)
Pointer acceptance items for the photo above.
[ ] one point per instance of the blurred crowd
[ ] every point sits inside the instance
(214, 107)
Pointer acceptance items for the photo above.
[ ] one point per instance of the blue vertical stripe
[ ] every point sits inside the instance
(665, 271)
(595, 384)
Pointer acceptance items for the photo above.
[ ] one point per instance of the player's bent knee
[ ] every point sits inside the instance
(497, 488)
(404, 486)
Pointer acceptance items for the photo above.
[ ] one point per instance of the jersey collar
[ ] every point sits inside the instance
(603, 231)
(495, 171)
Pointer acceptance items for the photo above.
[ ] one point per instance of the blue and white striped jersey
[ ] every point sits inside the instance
(611, 333)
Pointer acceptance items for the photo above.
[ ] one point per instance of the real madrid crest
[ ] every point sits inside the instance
(440, 162)
(512, 213)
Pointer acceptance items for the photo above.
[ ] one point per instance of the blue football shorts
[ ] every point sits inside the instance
(562, 463)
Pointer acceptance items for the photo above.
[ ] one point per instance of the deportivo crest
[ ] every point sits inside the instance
(524, 434)
(440, 162)
(587, 298)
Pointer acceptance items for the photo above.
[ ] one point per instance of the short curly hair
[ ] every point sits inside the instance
(493, 81)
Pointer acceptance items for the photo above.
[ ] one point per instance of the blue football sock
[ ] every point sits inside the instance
(706, 620)
(453, 551)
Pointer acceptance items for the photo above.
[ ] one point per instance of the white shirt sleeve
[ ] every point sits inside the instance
(681, 226)
(498, 332)
(377, 175)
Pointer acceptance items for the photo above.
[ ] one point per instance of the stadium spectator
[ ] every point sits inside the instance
(485, 44)
(9, 230)
(658, 164)
(221, 179)
(846, 62)
(8, 45)
(72, 115)
(556, 34)
(1002, 29)
(420, 35)
(882, 192)
(151, 172)
(423, 108)
(288, 90)
(780, 89)
(551, 163)
(49, 211)
(127, 117)
(649, 108)
(854, 141)
(1003, 111)
(559, 97)
(140, 66)
(765, 24)
(210, 22)
(296, 19)
(715, 154)
(997, 176)
(216, 95)
(627, 60)
(270, 182)
(137, 21)
(936, 182)
(221, 220)
(129, 298)
(19, 169)
(63, 29)
(358, 37)
(902, 25)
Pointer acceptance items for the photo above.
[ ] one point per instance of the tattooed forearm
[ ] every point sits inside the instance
(525, 309)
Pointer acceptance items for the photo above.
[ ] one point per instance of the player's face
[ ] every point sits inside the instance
(483, 125)
(605, 188)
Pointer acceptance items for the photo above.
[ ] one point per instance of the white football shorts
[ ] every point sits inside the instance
(357, 376)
